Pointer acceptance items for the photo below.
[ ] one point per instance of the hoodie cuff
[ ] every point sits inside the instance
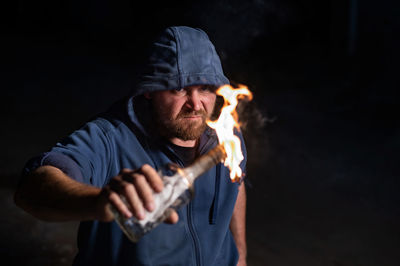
(56, 159)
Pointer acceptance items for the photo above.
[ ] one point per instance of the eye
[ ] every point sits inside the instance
(208, 88)
(180, 91)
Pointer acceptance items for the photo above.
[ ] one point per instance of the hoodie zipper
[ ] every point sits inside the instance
(189, 211)
(192, 231)
(193, 234)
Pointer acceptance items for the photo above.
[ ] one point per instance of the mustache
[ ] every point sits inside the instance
(192, 113)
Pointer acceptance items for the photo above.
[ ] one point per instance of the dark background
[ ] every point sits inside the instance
(323, 172)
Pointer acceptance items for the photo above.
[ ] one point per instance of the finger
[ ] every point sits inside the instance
(173, 218)
(125, 171)
(103, 211)
(119, 205)
(127, 189)
(144, 191)
(133, 200)
(152, 177)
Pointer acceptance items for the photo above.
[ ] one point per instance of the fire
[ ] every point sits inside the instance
(225, 124)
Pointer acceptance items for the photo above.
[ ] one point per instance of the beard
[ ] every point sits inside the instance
(180, 127)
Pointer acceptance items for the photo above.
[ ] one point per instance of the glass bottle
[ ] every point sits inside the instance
(178, 191)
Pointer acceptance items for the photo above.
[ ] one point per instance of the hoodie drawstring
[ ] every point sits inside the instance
(214, 205)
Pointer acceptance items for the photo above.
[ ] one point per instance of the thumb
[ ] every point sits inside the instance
(172, 218)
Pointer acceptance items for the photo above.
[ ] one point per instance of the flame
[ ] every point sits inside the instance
(225, 124)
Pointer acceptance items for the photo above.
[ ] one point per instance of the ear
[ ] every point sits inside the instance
(147, 95)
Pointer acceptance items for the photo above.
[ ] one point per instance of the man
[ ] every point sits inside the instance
(117, 154)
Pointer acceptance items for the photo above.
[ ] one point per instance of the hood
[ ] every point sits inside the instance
(181, 56)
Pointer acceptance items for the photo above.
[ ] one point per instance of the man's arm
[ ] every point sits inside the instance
(49, 194)
(238, 225)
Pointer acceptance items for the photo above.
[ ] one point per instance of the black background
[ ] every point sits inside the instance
(323, 171)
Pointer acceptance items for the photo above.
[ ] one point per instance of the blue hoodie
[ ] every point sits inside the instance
(117, 139)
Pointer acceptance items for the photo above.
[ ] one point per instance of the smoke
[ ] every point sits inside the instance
(252, 118)
(233, 25)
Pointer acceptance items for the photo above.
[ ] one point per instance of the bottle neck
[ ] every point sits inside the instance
(204, 163)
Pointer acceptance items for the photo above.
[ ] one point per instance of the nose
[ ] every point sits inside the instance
(193, 100)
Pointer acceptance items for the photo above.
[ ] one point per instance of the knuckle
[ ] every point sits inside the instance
(138, 178)
(145, 168)
(125, 171)
(127, 188)
(142, 168)
(115, 181)
(112, 196)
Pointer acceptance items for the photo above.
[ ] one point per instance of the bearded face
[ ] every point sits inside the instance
(183, 114)
(187, 125)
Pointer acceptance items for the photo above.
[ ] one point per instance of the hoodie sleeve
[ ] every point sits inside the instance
(56, 159)
(89, 148)
(83, 155)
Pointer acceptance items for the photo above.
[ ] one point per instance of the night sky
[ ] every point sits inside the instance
(323, 175)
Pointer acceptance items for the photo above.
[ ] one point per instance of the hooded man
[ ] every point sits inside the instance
(117, 154)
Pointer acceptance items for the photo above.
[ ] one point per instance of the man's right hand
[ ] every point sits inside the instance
(137, 187)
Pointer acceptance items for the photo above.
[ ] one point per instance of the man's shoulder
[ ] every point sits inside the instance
(113, 120)
(111, 128)
(105, 124)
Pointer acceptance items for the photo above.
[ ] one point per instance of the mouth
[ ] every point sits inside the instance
(193, 117)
